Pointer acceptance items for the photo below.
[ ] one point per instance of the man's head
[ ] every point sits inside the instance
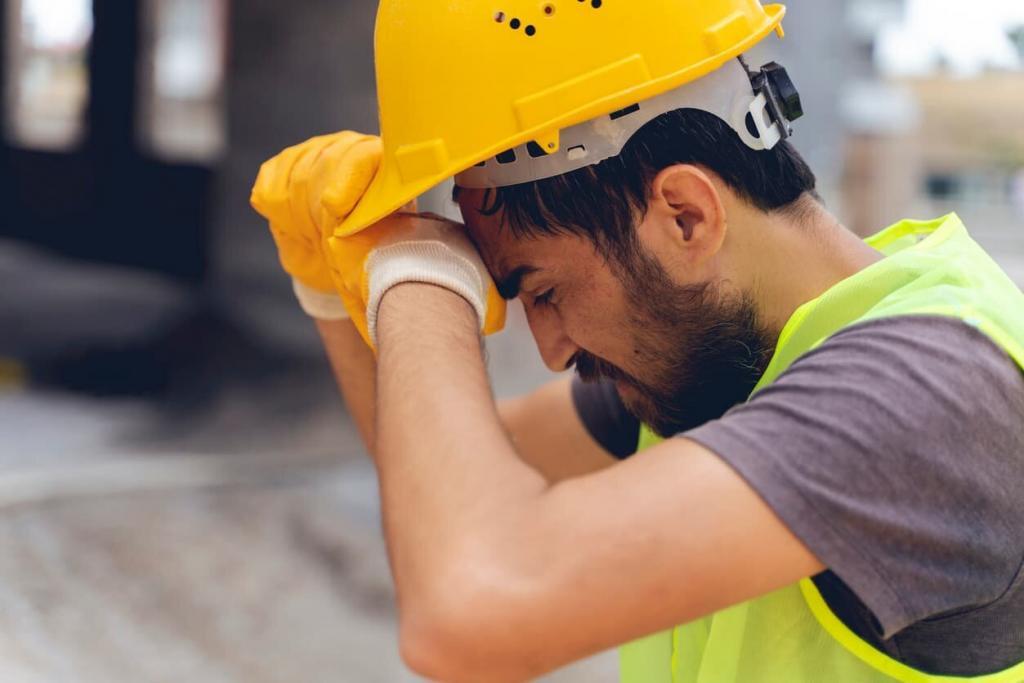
(631, 269)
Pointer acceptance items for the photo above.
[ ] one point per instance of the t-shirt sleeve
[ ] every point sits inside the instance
(895, 452)
(605, 417)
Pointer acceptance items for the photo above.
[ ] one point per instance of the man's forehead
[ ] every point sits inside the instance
(504, 253)
(501, 251)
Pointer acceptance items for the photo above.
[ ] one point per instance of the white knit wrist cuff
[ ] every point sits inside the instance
(320, 305)
(430, 262)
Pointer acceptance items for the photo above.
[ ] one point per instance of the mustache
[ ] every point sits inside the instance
(592, 369)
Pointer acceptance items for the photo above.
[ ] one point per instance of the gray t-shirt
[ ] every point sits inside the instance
(895, 452)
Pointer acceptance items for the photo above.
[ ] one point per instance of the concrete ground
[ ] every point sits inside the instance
(238, 541)
(233, 540)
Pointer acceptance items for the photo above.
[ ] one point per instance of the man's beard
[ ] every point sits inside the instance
(697, 352)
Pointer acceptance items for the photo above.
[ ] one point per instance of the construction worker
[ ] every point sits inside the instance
(788, 455)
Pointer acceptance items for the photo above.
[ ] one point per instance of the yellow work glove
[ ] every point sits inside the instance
(305, 191)
(408, 247)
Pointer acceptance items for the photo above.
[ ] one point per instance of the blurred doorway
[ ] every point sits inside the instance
(112, 129)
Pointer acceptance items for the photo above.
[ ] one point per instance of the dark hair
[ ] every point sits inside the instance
(603, 202)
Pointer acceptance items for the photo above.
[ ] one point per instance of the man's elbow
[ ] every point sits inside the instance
(440, 650)
(462, 629)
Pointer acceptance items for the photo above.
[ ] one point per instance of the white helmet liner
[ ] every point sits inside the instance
(727, 93)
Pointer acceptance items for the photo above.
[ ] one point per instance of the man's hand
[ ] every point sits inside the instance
(411, 248)
(305, 192)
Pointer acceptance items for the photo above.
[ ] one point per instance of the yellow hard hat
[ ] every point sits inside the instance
(461, 81)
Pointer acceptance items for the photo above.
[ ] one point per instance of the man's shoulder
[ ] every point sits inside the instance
(895, 450)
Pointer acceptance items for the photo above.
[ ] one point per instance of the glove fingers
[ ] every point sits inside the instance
(303, 264)
(282, 194)
(307, 182)
(334, 153)
(271, 191)
(350, 175)
(306, 179)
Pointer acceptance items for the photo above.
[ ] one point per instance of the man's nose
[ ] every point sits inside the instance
(556, 348)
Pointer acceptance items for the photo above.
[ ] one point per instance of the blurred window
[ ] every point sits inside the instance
(182, 79)
(48, 76)
(991, 187)
(1017, 36)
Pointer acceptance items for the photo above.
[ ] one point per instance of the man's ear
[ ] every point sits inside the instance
(686, 213)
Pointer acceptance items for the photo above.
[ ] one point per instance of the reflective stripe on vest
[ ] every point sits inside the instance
(791, 636)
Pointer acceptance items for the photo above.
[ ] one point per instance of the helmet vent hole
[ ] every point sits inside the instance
(576, 153)
(499, 17)
(531, 30)
(515, 24)
(508, 157)
(632, 109)
(549, 9)
(596, 4)
(535, 150)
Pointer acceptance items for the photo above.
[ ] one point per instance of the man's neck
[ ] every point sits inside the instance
(798, 257)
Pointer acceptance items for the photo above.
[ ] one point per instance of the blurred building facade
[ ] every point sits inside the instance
(971, 136)
(936, 131)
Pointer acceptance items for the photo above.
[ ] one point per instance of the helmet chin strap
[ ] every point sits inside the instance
(759, 106)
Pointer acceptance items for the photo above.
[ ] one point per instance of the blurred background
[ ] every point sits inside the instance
(182, 496)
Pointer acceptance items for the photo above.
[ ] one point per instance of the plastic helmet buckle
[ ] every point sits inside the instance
(783, 98)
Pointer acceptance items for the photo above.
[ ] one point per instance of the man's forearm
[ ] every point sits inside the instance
(544, 425)
(355, 370)
(447, 468)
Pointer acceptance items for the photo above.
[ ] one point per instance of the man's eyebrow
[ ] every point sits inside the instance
(510, 284)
